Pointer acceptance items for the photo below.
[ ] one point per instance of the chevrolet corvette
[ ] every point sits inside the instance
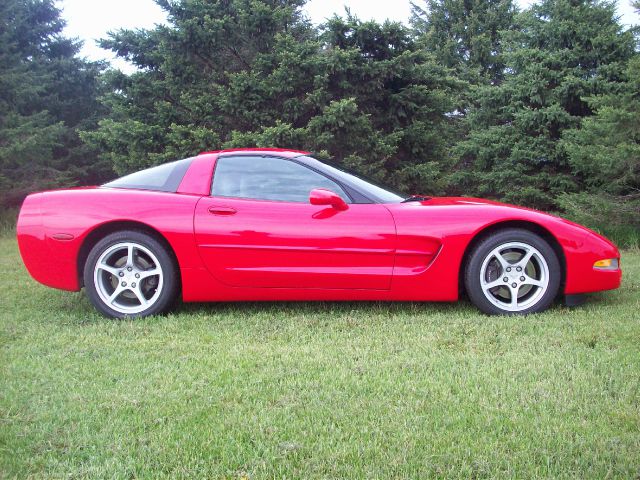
(272, 224)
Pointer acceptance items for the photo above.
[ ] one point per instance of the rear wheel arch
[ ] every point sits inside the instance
(521, 224)
(108, 228)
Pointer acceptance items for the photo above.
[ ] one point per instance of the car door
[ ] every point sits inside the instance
(258, 229)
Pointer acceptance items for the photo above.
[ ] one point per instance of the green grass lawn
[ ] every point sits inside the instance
(317, 390)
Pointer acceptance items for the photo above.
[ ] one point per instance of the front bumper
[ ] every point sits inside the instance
(582, 277)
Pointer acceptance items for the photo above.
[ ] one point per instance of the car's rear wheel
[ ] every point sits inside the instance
(512, 271)
(130, 274)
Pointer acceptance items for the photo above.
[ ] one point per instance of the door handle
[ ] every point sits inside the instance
(222, 210)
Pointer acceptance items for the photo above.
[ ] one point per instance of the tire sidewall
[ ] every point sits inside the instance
(480, 252)
(167, 264)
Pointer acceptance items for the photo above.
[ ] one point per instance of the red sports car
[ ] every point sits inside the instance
(270, 224)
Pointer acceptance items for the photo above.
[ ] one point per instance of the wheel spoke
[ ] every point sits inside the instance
(514, 297)
(149, 273)
(138, 293)
(532, 281)
(119, 289)
(108, 268)
(504, 263)
(130, 255)
(494, 284)
(525, 259)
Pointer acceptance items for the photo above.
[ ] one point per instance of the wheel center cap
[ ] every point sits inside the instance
(513, 275)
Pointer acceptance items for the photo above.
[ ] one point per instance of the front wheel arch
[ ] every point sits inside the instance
(108, 228)
(521, 224)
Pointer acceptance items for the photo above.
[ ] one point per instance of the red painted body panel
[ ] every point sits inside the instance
(454, 222)
(80, 211)
(581, 276)
(278, 244)
(233, 249)
(282, 152)
(197, 180)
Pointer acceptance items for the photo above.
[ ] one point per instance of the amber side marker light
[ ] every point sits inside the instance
(607, 264)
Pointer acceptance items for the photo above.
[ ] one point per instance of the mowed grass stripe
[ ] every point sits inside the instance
(317, 390)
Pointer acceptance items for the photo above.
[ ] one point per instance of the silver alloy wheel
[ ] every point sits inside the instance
(514, 276)
(128, 277)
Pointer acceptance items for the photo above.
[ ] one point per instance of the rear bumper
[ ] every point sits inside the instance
(48, 261)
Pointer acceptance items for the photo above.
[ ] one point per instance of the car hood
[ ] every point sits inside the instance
(443, 201)
(479, 203)
(490, 211)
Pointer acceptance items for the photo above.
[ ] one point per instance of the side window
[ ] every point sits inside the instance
(163, 178)
(265, 178)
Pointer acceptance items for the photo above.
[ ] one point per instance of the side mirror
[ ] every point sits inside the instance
(323, 196)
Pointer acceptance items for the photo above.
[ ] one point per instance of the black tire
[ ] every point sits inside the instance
(159, 290)
(497, 300)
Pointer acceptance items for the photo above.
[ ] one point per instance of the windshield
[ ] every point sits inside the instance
(366, 186)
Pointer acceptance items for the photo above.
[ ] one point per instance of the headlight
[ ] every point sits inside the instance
(607, 264)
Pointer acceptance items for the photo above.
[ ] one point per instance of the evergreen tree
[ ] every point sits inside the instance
(465, 34)
(239, 74)
(212, 71)
(46, 94)
(378, 104)
(562, 52)
(604, 154)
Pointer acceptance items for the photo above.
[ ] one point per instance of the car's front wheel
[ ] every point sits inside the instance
(513, 271)
(130, 274)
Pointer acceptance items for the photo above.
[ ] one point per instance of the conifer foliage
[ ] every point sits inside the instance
(47, 94)
(466, 34)
(242, 74)
(562, 53)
